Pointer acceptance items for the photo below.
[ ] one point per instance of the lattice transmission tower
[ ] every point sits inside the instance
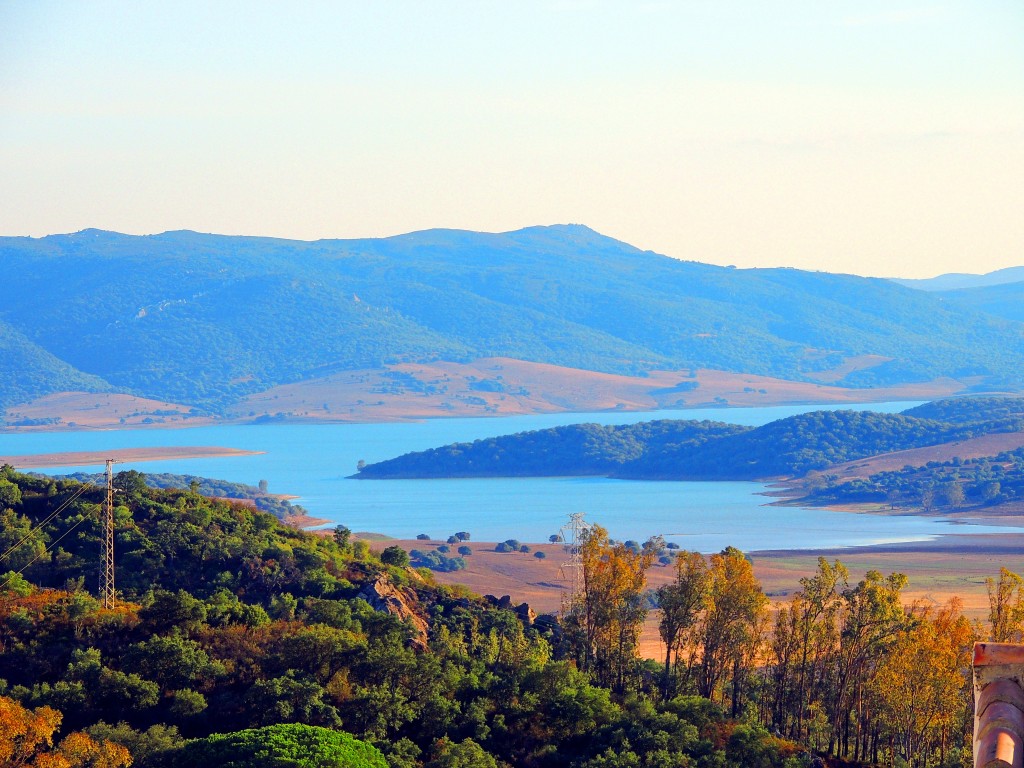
(107, 547)
(572, 568)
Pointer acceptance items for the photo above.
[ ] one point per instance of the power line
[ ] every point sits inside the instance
(82, 489)
(107, 543)
(47, 549)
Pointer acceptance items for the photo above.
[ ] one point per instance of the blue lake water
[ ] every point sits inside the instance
(313, 460)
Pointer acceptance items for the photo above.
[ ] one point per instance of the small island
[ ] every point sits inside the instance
(952, 453)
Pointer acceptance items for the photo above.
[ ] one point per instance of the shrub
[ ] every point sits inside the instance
(284, 744)
(395, 555)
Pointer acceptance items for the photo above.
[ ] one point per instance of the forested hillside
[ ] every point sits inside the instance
(27, 370)
(689, 450)
(579, 449)
(228, 621)
(206, 319)
(236, 641)
(1005, 300)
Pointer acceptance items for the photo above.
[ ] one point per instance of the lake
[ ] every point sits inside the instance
(313, 460)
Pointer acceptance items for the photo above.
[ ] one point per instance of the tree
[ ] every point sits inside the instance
(1005, 606)
(680, 603)
(874, 617)
(954, 493)
(292, 744)
(142, 745)
(171, 661)
(174, 610)
(920, 683)
(131, 481)
(263, 486)
(464, 754)
(395, 555)
(814, 612)
(733, 623)
(927, 499)
(10, 494)
(26, 739)
(21, 544)
(610, 608)
(342, 534)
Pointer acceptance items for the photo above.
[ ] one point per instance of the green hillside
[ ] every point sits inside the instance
(579, 449)
(1005, 300)
(205, 319)
(691, 450)
(238, 642)
(27, 371)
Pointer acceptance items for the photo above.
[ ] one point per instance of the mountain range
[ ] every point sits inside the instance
(206, 320)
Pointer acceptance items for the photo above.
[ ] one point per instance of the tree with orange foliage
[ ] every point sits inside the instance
(733, 625)
(26, 741)
(1005, 606)
(681, 603)
(610, 609)
(873, 620)
(920, 683)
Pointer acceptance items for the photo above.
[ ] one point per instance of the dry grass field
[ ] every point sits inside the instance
(952, 565)
(99, 410)
(488, 387)
(120, 455)
(453, 389)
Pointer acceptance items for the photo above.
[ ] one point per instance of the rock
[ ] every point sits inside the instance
(526, 614)
(548, 624)
(384, 596)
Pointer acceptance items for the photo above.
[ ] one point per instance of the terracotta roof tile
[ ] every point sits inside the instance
(999, 705)
(999, 690)
(998, 748)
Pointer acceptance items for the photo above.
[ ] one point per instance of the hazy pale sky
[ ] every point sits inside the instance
(878, 138)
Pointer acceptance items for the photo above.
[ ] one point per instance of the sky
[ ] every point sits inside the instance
(875, 138)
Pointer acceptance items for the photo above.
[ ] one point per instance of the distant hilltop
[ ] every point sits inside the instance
(958, 280)
(203, 324)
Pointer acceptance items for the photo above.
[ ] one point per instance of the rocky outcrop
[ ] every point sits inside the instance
(523, 611)
(384, 596)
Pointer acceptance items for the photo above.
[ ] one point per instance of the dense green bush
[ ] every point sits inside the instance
(276, 746)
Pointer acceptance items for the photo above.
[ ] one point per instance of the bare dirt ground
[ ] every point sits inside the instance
(98, 410)
(975, 448)
(502, 386)
(119, 455)
(488, 387)
(952, 565)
